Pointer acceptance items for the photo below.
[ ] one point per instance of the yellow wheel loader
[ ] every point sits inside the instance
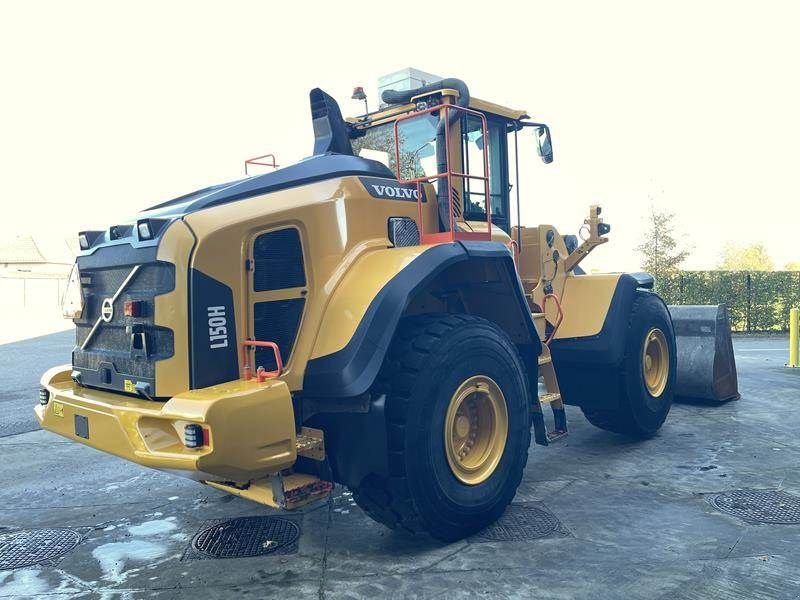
(367, 316)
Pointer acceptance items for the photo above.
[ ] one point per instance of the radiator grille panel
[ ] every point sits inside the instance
(276, 321)
(278, 258)
(111, 343)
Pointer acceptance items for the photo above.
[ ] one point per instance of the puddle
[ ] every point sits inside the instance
(155, 527)
(114, 556)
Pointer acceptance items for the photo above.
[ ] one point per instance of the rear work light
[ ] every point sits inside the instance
(144, 230)
(44, 396)
(149, 228)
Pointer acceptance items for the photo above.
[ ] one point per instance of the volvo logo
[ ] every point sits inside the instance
(107, 310)
(387, 191)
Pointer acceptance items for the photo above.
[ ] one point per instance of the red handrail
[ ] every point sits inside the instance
(515, 252)
(560, 315)
(261, 373)
(255, 159)
(452, 234)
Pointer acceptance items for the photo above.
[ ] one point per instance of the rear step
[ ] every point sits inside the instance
(279, 491)
(288, 491)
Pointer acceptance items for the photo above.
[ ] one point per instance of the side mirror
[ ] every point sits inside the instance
(544, 143)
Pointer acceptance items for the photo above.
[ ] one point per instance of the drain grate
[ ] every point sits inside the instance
(35, 546)
(246, 536)
(521, 522)
(760, 506)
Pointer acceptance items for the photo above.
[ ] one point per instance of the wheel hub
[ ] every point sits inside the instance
(655, 362)
(475, 429)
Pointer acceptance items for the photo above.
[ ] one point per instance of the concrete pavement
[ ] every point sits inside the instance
(635, 519)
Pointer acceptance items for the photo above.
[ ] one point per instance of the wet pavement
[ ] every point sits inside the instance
(596, 516)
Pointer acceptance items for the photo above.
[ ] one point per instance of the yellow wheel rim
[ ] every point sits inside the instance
(655, 362)
(475, 429)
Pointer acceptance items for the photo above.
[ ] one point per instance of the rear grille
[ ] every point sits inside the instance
(278, 258)
(109, 357)
(277, 321)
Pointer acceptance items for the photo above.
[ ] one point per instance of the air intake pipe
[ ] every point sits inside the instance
(405, 96)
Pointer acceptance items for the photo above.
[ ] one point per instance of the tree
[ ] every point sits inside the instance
(661, 252)
(746, 258)
(792, 266)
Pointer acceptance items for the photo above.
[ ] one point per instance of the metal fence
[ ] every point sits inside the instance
(756, 300)
(32, 291)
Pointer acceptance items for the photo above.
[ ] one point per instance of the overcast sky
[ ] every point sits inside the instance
(109, 107)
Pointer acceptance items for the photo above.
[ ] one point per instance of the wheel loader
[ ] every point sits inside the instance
(367, 316)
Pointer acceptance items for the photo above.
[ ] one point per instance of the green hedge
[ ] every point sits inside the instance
(756, 300)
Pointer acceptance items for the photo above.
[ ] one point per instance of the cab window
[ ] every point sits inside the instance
(474, 189)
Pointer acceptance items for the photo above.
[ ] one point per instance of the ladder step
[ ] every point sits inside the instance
(544, 360)
(548, 398)
(553, 436)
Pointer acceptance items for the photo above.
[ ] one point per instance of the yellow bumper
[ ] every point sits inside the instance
(249, 426)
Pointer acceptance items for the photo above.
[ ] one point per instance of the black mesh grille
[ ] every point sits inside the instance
(278, 258)
(403, 231)
(277, 321)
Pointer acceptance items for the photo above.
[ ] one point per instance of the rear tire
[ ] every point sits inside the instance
(431, 360)
(647, 392)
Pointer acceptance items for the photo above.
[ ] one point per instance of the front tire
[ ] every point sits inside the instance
(647, 377)
(457, 427)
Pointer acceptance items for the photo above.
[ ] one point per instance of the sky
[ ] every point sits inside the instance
(109, 107)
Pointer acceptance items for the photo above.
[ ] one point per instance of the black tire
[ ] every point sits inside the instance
(430, 357)
(640, 414)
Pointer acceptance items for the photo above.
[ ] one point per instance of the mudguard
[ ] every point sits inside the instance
(588, 367)
(352, 370)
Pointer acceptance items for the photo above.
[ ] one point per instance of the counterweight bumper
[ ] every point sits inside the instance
(248, 428)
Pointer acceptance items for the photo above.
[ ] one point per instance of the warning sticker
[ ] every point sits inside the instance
(129, 386)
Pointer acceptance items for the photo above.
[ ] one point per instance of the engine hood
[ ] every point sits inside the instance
(309, 170)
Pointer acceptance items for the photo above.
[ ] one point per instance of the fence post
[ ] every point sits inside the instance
(749, 298)
(794, 338)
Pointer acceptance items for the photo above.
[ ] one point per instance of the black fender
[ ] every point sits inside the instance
(352, 370)
(588, 368)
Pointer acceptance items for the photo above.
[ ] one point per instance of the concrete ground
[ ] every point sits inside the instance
(635, 517)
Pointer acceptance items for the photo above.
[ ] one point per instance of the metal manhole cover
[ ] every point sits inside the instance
(760, 506)
(246, 536)
(521, 522)
(35, 546)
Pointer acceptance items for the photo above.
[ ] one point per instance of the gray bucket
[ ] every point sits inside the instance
(706, 365)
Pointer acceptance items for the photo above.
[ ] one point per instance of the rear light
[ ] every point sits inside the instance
(44, 396)
(132, 308)
(194, 436)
